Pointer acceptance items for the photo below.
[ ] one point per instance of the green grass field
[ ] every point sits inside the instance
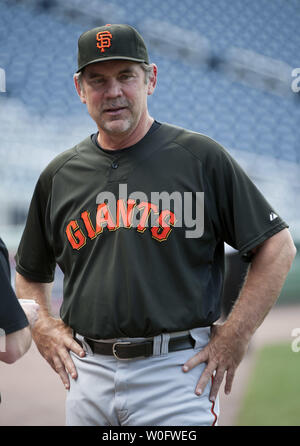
(273, 395)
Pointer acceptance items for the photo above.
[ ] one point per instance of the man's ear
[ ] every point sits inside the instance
(152, 80)
(79, 89)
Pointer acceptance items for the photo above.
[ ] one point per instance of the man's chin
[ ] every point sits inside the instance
(116, 127)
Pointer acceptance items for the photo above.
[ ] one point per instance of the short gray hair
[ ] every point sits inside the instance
(148, 70)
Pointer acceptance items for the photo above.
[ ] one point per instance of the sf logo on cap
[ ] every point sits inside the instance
(103, 40)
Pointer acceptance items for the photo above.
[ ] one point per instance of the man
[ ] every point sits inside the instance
(15, 319)
(142, 291)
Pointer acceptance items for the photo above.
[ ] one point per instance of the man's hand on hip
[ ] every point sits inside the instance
(54, 341)
(222, 355)
(267, 273)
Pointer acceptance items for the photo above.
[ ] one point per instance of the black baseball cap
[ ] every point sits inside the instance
(111, 42)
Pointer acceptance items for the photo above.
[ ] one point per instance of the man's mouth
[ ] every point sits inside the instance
(114, 110)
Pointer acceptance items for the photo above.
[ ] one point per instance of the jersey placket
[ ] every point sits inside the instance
(116, 170)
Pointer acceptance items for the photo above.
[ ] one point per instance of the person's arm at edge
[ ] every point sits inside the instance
(53, 338)
(266, 276)
(16, 345)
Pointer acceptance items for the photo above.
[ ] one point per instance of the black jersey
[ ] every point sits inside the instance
(137, 269)
(12, 316)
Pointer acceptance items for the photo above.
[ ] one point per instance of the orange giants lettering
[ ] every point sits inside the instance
(75, 235)
(162, 232)
(146, 207)
(124, 218)
(103, 218)
(88, 224)
(124, 214)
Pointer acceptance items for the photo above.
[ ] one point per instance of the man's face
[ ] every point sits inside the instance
(115, 93)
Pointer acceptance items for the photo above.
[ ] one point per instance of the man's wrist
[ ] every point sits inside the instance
(238, 328)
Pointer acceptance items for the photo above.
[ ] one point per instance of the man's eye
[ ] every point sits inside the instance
(126, 77)
(96, 81)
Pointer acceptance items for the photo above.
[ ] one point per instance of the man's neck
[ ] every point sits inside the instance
(111, 142)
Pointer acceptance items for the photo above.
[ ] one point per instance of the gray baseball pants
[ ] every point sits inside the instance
(152, 391)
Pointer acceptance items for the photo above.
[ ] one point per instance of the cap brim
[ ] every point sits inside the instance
(104, 59)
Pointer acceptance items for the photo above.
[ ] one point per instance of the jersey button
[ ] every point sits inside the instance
(114, 165)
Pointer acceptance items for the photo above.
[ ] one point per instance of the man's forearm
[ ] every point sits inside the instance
(230, 340)
(40, 292)
(53, 338)
(263, 284)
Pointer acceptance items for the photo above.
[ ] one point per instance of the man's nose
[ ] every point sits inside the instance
(113, 89)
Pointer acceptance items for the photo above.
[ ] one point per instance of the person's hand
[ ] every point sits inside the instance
(54, 340)
(222, 355)
(31, 309)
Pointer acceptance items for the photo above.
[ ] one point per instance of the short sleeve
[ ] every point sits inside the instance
(35, 256)
(12, 316)
(245, 217)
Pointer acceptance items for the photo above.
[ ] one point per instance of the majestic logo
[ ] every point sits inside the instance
(103, 40)
(273, 216)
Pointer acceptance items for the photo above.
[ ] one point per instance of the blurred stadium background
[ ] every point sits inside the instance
(225, 69)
